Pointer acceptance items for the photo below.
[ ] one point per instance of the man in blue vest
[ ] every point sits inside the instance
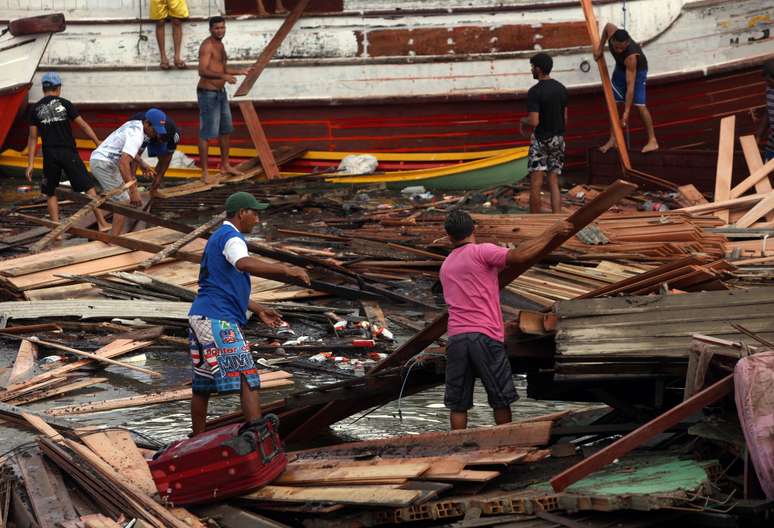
(221, 357)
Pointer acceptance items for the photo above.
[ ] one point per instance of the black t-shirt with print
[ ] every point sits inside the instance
(549, 99)
(52, 116)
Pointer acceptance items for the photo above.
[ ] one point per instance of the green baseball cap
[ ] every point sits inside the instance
(243, 200)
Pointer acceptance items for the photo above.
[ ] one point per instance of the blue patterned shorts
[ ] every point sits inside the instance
(220, 356)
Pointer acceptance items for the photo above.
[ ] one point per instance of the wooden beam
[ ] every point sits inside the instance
(754, 162)
(636, 438)
(271, 48)
(80, 213)
(260, 141)
(744, 201)
(171, 249)
(612, 109)
(725, 167)
(24, 363)
(752, 179)
(760, 209)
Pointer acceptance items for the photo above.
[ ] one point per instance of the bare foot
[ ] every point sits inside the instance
(650, 146)
(607, 146)
(180, 64)
(230, 169)
(164, 64)
(104, 228)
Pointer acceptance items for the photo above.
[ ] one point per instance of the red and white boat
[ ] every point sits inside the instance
(418, 75)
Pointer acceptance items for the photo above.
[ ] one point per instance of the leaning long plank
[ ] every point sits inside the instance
(385, 470)
(752, 179)
(725, 166)
(637, 437)
(763, 207)
(119, 450)
(355, 495)
(752, 157)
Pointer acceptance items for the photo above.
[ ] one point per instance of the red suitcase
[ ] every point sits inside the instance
(225, 462)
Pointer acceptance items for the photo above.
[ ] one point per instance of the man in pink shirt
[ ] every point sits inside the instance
(476, 348)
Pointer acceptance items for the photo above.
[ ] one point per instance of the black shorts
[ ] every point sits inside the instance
(57, 160)
(473, 355)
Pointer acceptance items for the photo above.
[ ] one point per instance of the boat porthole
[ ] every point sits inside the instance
(585, 66)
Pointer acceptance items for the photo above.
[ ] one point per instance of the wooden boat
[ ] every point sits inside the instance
(420, 75)
(440, 171)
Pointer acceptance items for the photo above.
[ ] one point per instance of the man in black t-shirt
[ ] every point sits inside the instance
(629, 79)
(50, 117)
(161, 147)
(547, 118)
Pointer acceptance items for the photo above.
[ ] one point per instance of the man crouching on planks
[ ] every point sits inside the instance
(221, 357)
(471, 289)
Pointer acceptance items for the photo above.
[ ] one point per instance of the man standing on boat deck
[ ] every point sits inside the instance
(221, 358)
(162, 147)
(766, 124)
(214, 110)
(50, 117)
(176, 11)
(471, 289)
(629, 79)
(112, 162)
(547, 117)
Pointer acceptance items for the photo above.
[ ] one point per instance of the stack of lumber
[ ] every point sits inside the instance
(651, 335)
(92, 269)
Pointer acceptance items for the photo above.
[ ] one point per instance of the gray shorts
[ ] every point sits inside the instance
(214, 113)
(109, 177)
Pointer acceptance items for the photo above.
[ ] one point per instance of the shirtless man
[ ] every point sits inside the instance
(214, 111)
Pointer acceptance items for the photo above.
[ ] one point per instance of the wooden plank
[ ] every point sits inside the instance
(228, 516)
(173, 248)
(119, 450)
(147, 399)
(46, 491)
(762, 208)
(612, 109)
(754, 162)
(725, 166)
(752, 179)
(260, 141)
(374, 313)
(96, 308)
(271, 48)
(24, 364)
(690, 195)
(624, 445)
(114, 349)
(466, 475)
(64, 226)
(352, 474)
(57, 391)
(354, 495)
(95, 357)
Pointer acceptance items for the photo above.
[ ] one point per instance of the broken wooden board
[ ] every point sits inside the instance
(46, 491)
(24, 363)
(119, 450)
(56, 391)
(96, 308)
(636, 438)
(752, 157)
(354, 495)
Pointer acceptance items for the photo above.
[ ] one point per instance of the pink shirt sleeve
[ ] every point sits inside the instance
(493, 255)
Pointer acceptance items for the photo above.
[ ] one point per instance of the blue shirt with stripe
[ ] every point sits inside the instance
(224, 291)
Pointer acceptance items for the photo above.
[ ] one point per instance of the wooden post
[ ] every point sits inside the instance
(636, 438)
(260, 141)
(80, 213)
(171, 249)
(754, 162)
(607, 89)
(725, 165)
(271, 48)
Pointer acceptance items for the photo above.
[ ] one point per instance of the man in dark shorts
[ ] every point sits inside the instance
(50, 117)
(221, 357)
(469, 277)
(547, 117)
(214, 111)
(161, 147)
(629, 79)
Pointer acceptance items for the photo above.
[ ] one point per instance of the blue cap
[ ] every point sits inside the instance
(158, 120)
(51, 78)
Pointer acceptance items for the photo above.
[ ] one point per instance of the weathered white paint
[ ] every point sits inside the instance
(318, 62)
(19, 58)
